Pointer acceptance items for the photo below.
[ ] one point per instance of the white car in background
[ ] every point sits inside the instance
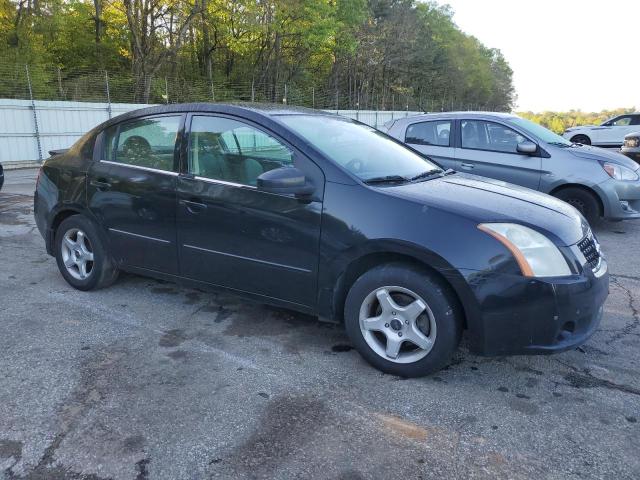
(609, 134)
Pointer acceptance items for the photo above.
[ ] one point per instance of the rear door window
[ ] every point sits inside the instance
(437, 132)
(148, 142)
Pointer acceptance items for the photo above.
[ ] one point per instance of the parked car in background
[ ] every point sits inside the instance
(631, 146)
(598, 182)
(324, 215)
(608, 134)
(1, 176)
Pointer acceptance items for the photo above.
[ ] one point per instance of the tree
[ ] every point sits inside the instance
(157, 30)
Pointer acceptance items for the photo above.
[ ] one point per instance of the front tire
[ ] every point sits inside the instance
(403, 320)
(583, 139)
(81, 255)
(585, 202)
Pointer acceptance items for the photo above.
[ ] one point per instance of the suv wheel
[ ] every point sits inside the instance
(583, 139)
(402, 320)
(585, 202)
(81, 255)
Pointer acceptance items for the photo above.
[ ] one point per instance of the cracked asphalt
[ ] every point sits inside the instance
(150, 380)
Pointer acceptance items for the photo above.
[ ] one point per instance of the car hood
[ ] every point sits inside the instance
(602, 155)
(485, 200)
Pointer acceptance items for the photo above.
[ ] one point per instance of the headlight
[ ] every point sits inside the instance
(619, 172)
(536, 255)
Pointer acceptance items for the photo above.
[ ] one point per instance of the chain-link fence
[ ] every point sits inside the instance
(46, 107)
(47, 82)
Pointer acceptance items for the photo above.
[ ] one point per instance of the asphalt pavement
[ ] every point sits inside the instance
(150, 380)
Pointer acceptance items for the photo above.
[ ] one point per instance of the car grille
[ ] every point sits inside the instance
(591, 250)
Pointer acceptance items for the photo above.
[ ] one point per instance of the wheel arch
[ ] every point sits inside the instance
(580, 134)
(58, 216)
(585, 188)
(369, 258)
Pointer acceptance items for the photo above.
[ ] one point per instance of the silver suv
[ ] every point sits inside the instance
(598, 182)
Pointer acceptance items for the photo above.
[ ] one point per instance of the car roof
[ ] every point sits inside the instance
(452, 115)
(247, 110)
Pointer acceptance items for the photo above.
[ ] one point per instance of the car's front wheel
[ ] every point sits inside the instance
(585, 202)
(81, 255)
(582, 139)
(403, 320)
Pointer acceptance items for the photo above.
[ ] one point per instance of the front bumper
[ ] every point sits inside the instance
(517, 315)
(621, 199)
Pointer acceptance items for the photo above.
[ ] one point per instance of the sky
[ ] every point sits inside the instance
(565, 54)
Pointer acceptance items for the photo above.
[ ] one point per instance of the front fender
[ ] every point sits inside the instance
(334, 283)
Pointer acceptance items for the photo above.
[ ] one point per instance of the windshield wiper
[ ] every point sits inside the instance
(427, 174)
(561, 144)
(385, 179)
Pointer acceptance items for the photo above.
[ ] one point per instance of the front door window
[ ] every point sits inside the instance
(232, 151)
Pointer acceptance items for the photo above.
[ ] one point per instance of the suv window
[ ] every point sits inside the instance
(148, 142)
(483, 135)
(232, 151)
(621, 121)
(436, 132)
(635, 120)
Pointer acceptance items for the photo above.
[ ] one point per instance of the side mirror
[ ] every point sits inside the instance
(285, 180)
(527, 148)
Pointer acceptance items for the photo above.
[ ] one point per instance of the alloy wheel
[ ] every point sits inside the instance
(397, 324)
(77, 254)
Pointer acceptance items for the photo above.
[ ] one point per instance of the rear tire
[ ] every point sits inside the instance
(403, 320)
(583, 139)
(81, 255)
(585, 202)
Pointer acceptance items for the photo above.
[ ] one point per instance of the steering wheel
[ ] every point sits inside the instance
(354, 165)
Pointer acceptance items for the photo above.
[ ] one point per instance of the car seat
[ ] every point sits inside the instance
(137, 151)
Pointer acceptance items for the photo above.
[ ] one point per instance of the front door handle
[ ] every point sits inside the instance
(194, 205)
(468, 166)
(100, 184)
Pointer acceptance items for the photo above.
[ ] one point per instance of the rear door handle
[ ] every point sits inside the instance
(468, 166)
(100, 184)
(194, 205)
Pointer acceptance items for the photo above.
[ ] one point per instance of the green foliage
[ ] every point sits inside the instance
(560, 121)
(349, 53)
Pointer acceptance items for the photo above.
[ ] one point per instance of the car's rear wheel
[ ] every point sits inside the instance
(81, 255)
(585, 202)
(583, 139)
(403, 320)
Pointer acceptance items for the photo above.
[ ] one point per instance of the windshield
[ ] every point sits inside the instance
(360, 149)
(539, 131)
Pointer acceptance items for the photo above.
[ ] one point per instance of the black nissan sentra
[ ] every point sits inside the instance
(324, 215)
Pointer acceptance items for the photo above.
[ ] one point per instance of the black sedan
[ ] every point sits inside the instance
(323, 215)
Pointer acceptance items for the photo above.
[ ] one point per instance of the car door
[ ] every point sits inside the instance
(489, 149)
(132, 191)
(433, 138)
(614, 131)
(234, 235)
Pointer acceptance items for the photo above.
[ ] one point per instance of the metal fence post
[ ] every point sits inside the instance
(60, 85)
(253, 91)
(35, 115)
(166, 90)
(313, 97)
(284, 99)
(106, 83)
